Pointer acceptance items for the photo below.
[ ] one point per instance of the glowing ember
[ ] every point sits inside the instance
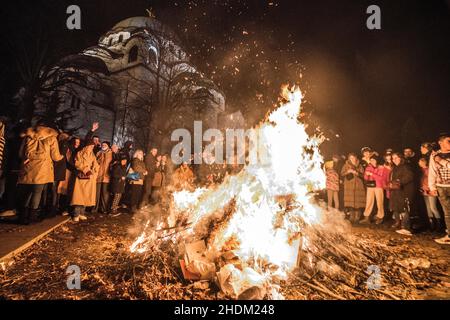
(271, 201)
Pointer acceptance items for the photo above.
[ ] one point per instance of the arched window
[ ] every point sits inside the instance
(133, 54)
(110, 42)
(120, 38)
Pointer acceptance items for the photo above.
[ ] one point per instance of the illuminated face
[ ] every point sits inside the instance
(422, 163)
(154, 152)
(114, 148)
(352, 159)
(96, 140)
(123, 162)
(396, 159)
(76, 143)
(366, 154)
(423, 150)
(388, 158)
(105, 146)
(445, 144)
(408, 153)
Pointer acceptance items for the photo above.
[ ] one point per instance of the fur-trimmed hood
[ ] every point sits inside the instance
(39, 133)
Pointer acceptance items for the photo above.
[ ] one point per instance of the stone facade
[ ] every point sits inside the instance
(138, 74)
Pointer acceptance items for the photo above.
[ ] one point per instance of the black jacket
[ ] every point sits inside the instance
(117, 183)
(403, 174)
(61, 165)
(150, 163)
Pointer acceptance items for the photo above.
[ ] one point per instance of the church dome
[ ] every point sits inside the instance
(138, 22)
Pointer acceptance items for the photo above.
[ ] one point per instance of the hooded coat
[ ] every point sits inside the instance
(38, 151)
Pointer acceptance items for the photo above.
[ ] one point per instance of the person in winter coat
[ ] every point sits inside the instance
(168, 169)
(136, 186)
(388, 165)
(426, 148)
(354, 192)
(60, 168)
(118, 181)
(91, 137)
(150, 164)
(115, 153)
(38, 151)
(104, 159)
(375, 177)
(337, 165)
(430, 201)
(366, 154)
(332, 184)
(183, 178)
(439, 180)
(158, 180)
(65, 188)
(402, 191)
(126, 151)
(85, 186)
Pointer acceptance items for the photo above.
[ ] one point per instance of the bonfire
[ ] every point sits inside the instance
(261, 234)
(261, 225)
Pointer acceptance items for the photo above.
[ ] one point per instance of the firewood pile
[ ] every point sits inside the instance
(334, 264)
(331, 266)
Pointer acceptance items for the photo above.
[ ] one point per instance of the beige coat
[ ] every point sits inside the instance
(85, 189)
(38, 151)
(104, 160)
(354, 190)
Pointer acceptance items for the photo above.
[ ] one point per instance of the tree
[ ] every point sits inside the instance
(46, 78)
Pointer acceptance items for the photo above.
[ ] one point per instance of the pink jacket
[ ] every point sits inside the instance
(378, 174)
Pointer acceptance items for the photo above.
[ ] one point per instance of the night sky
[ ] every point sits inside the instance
(381, 88)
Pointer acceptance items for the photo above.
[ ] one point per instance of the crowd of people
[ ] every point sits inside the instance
(62, 174)
(411, 191)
